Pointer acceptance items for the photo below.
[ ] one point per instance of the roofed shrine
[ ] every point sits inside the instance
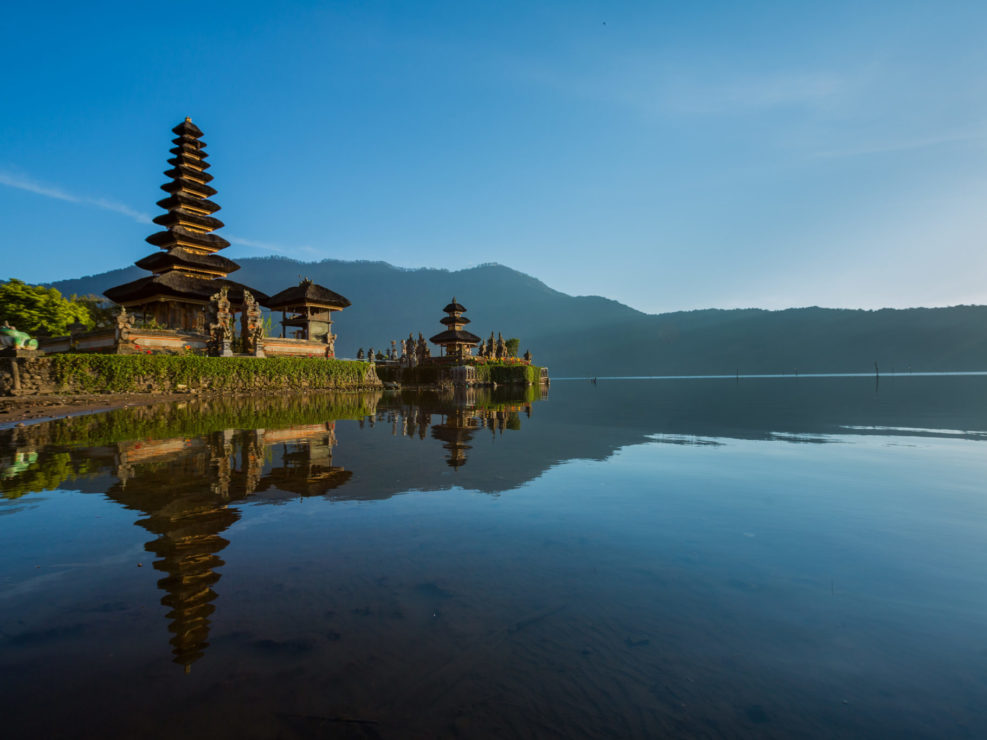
(456, 342)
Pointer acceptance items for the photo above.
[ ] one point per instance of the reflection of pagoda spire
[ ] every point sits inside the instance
(455, 432)
(187, 517)
(188, 549)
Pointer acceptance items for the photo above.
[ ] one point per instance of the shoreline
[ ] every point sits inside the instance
(25, 410)
(18, 411)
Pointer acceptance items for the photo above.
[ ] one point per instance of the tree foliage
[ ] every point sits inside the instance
(512, 345)
(38, 310)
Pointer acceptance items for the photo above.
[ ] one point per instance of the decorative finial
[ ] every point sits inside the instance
(188, 119)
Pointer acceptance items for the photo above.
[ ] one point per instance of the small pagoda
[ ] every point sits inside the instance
(306, 309)
(187, 271)
(457, 343)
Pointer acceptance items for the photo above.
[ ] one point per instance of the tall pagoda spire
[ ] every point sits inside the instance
(187, 270)
(188, 242)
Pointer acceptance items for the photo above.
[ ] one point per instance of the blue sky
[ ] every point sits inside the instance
(669, 155)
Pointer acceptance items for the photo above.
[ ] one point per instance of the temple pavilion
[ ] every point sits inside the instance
(187, 270)
(306, 309)
(456, 342)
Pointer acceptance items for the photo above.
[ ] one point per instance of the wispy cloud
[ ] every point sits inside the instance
(892, 144)
(658, 86)
(20, 182)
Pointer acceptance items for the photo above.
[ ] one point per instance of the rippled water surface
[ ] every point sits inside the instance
(700, 558)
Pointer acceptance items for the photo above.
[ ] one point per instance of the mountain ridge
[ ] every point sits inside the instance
(595, 335)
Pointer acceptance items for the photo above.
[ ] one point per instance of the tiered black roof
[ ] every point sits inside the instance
(187, 267)
(455, 335)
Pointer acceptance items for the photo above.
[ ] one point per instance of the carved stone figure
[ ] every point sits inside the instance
(370, 355)
(254, 335)
(331, 342)
(220, 327)
(359, 354)
(501, 347)
(124, 323)
(527, 356)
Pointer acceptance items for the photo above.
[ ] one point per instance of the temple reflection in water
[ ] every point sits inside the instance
(183, 486)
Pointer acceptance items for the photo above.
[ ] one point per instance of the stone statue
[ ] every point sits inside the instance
(124, 323)
(501, 347)
(527, 356)
(11, 338)
(370, 355)
(220, 328)
(254, 340)
(359, 353)
(331, 342)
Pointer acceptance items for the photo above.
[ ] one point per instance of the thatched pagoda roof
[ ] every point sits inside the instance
(175, 216)
(168, 239)
(454, 307)
(455, 336)
(178, 285)
(194, 149)
(181, 171)
(178, 200)
(173, 186)
(177, 258)
(187, 128)
(306, 293)
(453, 320)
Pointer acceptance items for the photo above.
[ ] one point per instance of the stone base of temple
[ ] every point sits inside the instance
(281, 347)
(135, 341)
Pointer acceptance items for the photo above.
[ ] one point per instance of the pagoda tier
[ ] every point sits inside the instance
(191, 240)
(456, 342)
(196, 263)
(187, 219)
(187, 272)
(181, 200)
(174, 284)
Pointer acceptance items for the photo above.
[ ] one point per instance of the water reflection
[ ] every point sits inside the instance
(717, 576)
(183, 486)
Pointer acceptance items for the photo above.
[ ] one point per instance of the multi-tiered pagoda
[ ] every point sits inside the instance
(457, 343)
(187, 272)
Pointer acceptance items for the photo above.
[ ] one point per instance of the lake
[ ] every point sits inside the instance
(719, 557)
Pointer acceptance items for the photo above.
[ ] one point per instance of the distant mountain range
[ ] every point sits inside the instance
(590, 335)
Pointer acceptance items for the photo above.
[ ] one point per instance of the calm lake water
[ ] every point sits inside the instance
(643, 558)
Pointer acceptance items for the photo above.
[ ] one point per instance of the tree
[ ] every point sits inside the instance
(35, 309)
(102, 313)
(512, 345)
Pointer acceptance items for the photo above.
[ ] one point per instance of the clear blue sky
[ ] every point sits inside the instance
(671, 155)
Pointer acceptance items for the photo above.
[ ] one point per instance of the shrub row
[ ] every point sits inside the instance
(134, 373)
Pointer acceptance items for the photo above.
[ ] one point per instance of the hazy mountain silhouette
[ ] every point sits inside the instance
(590, 335)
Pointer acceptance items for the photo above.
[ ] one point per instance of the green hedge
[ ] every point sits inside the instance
(132, 373)
(508, 373)
(501, 373)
